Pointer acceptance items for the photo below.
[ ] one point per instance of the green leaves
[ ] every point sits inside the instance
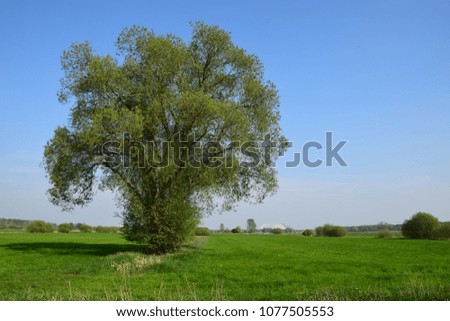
(71, 169)
(161, 93)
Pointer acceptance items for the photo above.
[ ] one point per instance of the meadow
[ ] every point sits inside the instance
(95, 266)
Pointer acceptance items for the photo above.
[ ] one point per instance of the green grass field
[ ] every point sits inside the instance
(91, 266)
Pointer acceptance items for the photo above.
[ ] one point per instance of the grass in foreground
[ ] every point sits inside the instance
(79, 266)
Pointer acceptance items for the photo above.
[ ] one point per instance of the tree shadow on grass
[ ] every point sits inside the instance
(73, 248)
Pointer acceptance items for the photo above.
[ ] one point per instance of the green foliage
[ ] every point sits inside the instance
(175, 222)
(277, 230)
(319, 231)
(308, 232)
(289, 230)
(13, 223)
(39, 227)
(420, 226)
(374, 227)
(335, 231)
(442, 232)
(101, 229)
(385, 234)
(251, 226)
(202, 231)
(331, 231)
(162, 92)
(106, 229)
(85, 228)
(236, 230)
(64, 228)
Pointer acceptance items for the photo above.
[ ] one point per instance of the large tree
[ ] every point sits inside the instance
(163, 125)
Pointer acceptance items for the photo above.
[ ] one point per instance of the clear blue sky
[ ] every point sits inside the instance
(375, 73)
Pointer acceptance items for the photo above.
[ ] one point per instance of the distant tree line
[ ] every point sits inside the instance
(251, 228)
(13, 223)
(420, 226)
(382, 226)
(44, 227)
(40, 226)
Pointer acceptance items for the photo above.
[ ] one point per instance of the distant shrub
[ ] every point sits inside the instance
(114, 229)
(39, 227)
(442, 232)
(236, 230)
(202, 231)
(64, 228)
(101, 229)
(106, 229)
(420, 226)
(331, 231)
(319, 231)
(308, 233)
(385, 234)
(328, 229)
(277, 230)
(289, 230)
(85, 228)
(337, 231)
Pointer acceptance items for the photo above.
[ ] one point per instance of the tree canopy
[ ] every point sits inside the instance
(251, 225)
(162, 124)
(420, 226)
